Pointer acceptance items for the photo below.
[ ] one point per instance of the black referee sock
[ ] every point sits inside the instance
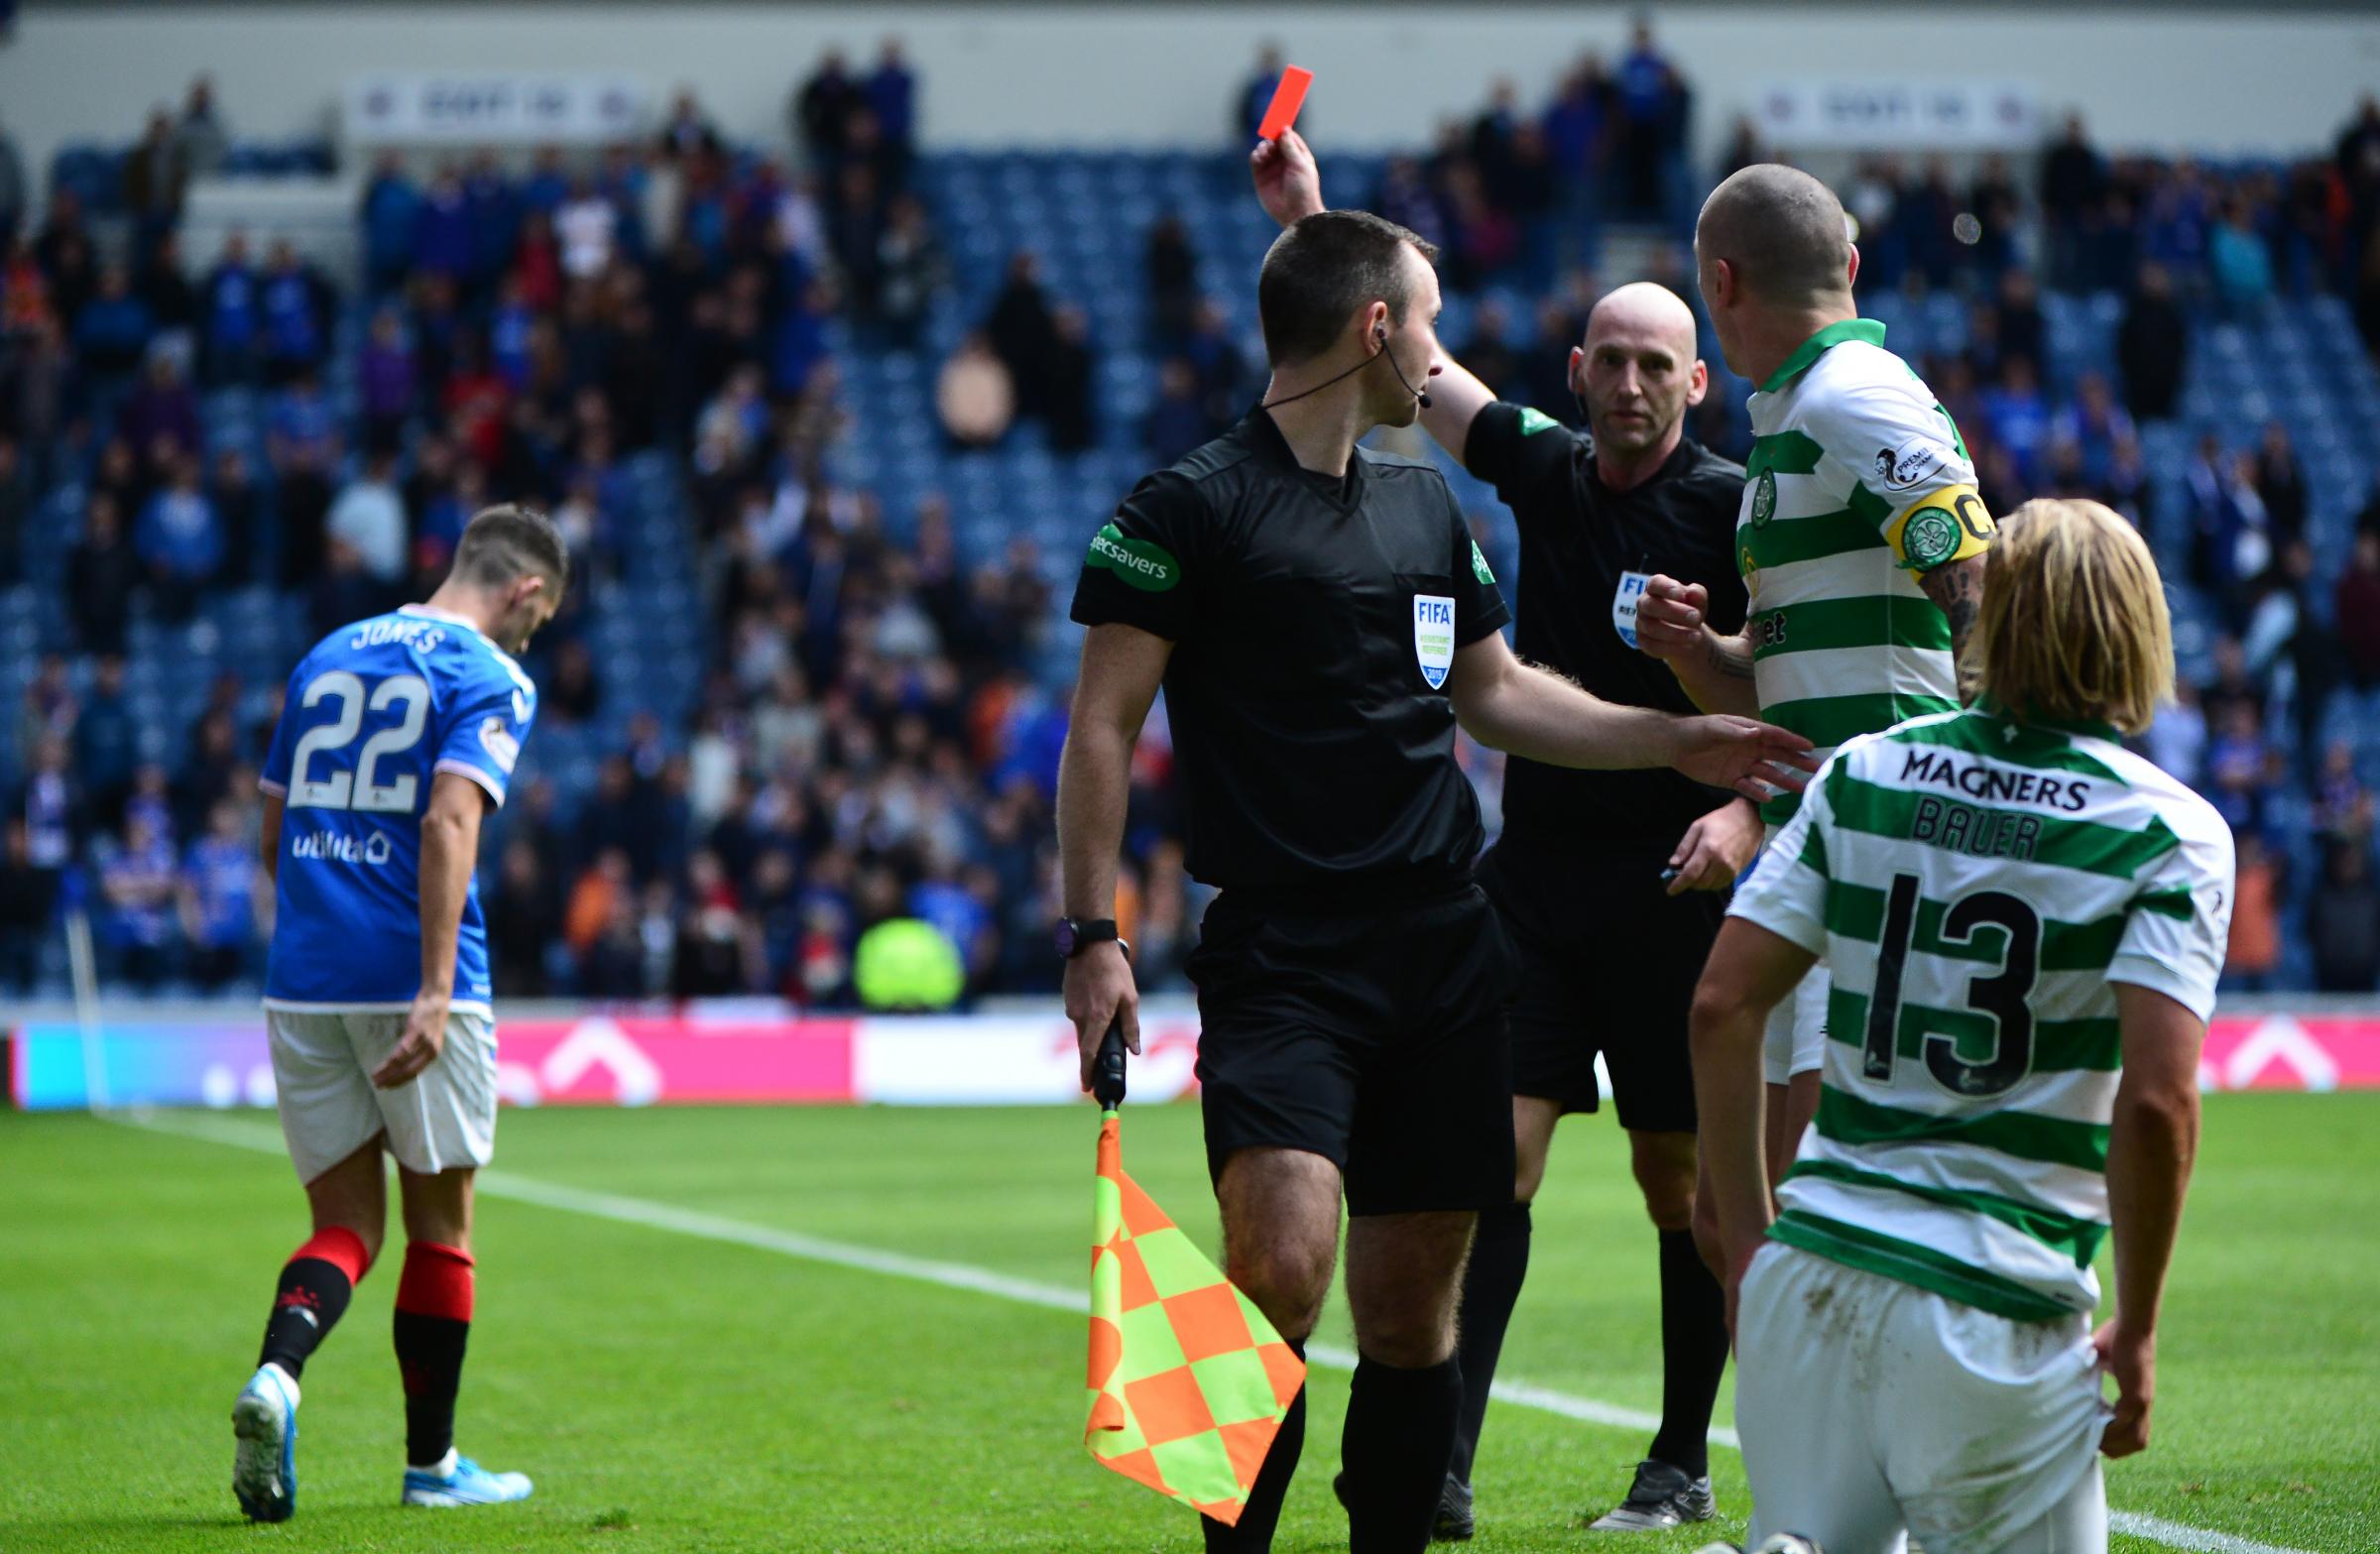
(1400, 1436)
(1263, 1512)
(1694, 1351)
(1499, 1260)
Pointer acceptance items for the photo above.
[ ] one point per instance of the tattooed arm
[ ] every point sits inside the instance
(1958, 589)
(1715, 670)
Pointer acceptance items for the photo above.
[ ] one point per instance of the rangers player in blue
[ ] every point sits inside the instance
(398, 734)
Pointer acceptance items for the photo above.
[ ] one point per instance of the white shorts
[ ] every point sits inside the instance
(1870, 1409)
(322, 1064)
(1796, 1042)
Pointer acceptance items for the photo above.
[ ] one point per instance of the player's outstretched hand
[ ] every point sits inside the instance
(424, 1040)
(1098, 991)
(1670, 618)
(1752, 758)
(1715, 849)
(2132, 1359)
(1287, 181)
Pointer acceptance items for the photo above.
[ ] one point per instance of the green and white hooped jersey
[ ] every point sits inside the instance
(1975, 885)
(1858, 483)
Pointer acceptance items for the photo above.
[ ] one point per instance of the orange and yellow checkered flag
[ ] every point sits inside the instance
(1188, 1381)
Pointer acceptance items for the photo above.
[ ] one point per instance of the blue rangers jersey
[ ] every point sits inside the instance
(374, 713)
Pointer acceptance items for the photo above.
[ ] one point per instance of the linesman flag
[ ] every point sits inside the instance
(1188, 1381)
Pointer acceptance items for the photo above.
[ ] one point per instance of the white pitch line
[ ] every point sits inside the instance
(620, 1210)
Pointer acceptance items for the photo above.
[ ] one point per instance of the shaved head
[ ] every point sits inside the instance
(1781, 232)
(1643, 309)
(1637, 375)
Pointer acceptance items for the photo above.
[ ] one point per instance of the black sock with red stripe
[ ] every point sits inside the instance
(315, 1285)
(432, 1326)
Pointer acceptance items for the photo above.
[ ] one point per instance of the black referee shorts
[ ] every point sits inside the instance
(1608, 960)
(1373, 1038)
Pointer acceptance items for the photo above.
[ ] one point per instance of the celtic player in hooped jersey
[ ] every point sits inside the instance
(1860, 537)
(2024, 922)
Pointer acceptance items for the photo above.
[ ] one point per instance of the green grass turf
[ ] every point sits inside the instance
(670, 1392)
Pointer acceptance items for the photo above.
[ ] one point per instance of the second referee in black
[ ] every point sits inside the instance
(1610, 883)
(1320, 622)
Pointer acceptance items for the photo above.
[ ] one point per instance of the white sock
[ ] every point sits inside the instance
(287, 1379)
(444, 1468)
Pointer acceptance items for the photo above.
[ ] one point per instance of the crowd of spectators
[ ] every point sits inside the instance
(870, 742)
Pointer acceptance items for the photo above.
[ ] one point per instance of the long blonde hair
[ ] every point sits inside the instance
(2073, 625)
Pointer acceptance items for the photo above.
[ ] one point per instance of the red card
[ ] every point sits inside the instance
(1287, 98)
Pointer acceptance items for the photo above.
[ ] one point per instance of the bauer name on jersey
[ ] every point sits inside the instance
(1976, 885)
(1858, 483)
(374, 713)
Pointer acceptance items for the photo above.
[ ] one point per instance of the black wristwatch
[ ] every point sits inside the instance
(1076, 934)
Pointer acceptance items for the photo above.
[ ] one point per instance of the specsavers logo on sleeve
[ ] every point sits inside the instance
(1149, 568)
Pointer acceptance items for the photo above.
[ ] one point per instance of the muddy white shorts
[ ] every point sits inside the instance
(322, 1064)
(1871, 1410)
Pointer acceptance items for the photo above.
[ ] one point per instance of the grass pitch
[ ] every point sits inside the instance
(671, 1389)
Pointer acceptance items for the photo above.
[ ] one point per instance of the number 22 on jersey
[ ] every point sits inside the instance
(360, 787)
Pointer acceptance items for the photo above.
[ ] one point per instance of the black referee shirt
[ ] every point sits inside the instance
(1313, 622)
(1585, 550)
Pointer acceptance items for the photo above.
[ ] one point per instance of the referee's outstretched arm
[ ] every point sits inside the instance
(1528, 712)
(1122, 665)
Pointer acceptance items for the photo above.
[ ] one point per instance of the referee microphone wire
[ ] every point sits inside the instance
(1381, 335)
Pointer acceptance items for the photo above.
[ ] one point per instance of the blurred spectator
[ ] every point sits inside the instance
(2242, 768)
(910, 269)
(161, 418)
(1172, 282)
(975, 395)
(173, 302)
(152, 178)
(63, 248)
(386, 383)
(1651, 98)
(587, 228)
(1256, 95)
(2074, 181)
(26, 896)
(1177, 422)
(14, 191)
(1022, 330)
(525, 918)
(687, 132)
(891, 99)
(822, 111)
(1067, 381)
(2343, 920)
(295, 307)
(2281, 484)
(2342, 805)
(2357, 610)
(2177, 740)
(2094, 423)
(716, 952)
(199, 135)
(104, 576)
(2152, 346)
(179, 541)
(2241, 260)
(392, 220)
(571, 693)
(2256, 947)
(302, 439)
(369, 518)
(139, 883)
(107, 743)
(111, 332)
(230, 314)
(222, 898)
(1221, 366)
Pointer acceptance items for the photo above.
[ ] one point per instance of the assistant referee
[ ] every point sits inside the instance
(1609, 946)
(1320, 621)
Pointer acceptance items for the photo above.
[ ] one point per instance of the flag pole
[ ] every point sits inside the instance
(1107, 1069)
